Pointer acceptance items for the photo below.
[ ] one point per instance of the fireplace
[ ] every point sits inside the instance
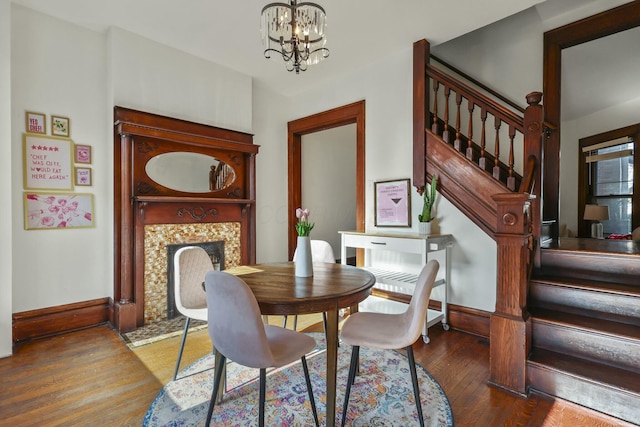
(215, 250)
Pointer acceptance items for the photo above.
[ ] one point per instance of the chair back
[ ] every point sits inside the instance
(234, 321)
(191, 264)
(321, 251)
(635, 234)
(417, 311)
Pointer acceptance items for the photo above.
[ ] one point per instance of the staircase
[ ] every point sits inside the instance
(582, 298)
(585, 316)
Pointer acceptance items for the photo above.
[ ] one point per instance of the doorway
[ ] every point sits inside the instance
(348, 114)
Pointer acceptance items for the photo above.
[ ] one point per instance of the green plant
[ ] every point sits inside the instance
(429, 198)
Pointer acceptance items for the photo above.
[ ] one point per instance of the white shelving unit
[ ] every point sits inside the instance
(397, 279)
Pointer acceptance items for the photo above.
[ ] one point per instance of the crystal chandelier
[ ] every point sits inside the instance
(296, 32)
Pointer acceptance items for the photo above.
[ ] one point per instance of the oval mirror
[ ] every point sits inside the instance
(190, 172)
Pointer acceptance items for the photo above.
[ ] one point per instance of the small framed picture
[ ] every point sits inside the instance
(83, 154)
(392, 203)
(36, 122)
(57, 211)
(60, 126)
(83, 176)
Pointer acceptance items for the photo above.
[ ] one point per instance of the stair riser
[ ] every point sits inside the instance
(624, 269)
(614, 351)
(617, 403)
(544, 294)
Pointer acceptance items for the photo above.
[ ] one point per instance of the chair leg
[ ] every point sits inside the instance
(216, 386)
(184, 339)
(284, 321)
(263, 393)
(295, 322)
(310, 390)
(355, 351)
(414, 380)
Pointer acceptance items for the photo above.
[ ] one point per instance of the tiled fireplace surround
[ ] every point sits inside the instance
(156, 239)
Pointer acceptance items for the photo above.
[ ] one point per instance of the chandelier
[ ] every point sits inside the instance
(296, 32)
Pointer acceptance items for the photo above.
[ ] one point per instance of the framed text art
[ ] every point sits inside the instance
(47, 163)
(36, 122)
(48, 210)
(83, 176)
(392, 203)
(82, 154)
(60, 126)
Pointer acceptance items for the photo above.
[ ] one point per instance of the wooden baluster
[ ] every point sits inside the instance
(434, 126)
(482, 161)
(496, 159)
(458, 143)
(445, 131)
(469, 151)
(511, 180)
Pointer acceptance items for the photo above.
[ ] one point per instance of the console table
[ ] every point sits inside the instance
(396, 283)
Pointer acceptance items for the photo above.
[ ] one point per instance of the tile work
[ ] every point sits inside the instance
(156, 239)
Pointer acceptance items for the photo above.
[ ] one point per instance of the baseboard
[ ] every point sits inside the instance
(465, 319)
(45, 322)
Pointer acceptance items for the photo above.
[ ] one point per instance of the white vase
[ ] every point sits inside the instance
(303, 261)
(424, 228)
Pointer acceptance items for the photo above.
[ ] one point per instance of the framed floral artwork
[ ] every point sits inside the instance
(36, 122)
(47, 163)
(392, 203)
(60, 126)
(83, 154)
(83, 176)
(57, 210)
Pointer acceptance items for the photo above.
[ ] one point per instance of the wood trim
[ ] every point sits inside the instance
(348, 114)
(465, 319)
(45, 322)
(594, 27)
(421, 50)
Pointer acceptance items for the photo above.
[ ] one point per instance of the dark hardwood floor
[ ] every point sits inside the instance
(91, 378)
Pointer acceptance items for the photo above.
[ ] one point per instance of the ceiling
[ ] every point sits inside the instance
(359, 32)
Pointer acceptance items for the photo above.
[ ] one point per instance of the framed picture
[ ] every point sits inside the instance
(60, 126)
(44, 211)
(36, 122)
(83, 176)
(392, 203)
(47, 163)
(83, 154)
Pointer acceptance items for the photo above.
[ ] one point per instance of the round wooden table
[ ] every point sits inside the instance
(332, 287)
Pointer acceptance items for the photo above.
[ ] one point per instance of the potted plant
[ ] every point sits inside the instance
(427, 215)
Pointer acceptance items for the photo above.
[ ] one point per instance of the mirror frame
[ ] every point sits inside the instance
(594, 27)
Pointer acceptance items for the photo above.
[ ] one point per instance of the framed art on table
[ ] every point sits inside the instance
(392, 203)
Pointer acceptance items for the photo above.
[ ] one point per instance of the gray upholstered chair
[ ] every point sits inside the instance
(635, 234)
(238, 334)
(191, 264)
(391, 331)
(321, 251)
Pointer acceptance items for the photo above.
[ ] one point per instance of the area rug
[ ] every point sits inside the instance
(160, 330)
(381, 396)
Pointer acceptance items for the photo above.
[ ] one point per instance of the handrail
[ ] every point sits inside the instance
(479, 84)
(478, 98)
(528, 181)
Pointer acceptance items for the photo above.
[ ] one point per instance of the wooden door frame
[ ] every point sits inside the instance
(591, 28)
(340, 116)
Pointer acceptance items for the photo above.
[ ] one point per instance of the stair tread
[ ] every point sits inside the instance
(599, 325)
(592, 285)
(604, 374)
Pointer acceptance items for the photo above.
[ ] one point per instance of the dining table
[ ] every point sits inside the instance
(331, 287)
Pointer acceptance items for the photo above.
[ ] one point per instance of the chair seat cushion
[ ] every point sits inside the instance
(287, 345)
(376, 330)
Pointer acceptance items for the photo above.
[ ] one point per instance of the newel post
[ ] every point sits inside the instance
(510, 334)
(533, 146)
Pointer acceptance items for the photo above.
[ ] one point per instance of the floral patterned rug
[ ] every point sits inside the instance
(381, 396)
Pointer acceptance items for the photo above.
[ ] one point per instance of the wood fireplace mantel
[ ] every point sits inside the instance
(141, 200)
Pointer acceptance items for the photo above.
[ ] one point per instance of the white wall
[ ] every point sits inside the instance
(329, 182)
(58, 68)
(5, 179)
